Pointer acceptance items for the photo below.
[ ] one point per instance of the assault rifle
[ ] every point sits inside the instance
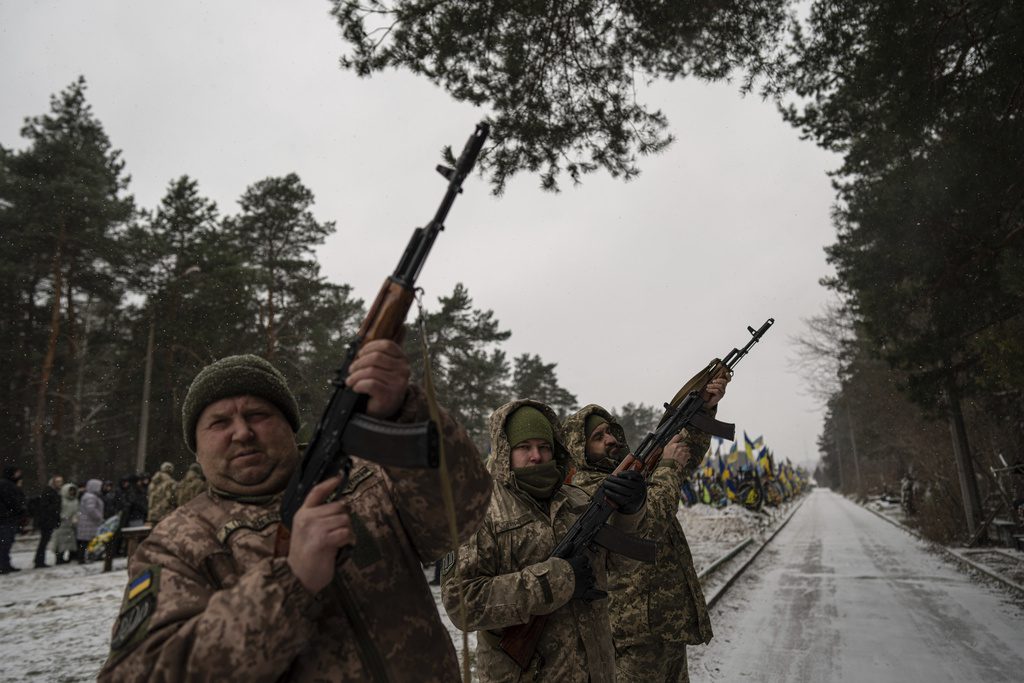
(344, 428)
(590, 528)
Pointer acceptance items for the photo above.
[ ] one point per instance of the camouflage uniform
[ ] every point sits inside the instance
(659, 608)
(505, 574)
(208, 600)
(191, 486)
(161, 494)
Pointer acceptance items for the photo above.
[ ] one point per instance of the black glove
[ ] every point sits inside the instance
(627, 490)
(586, 584)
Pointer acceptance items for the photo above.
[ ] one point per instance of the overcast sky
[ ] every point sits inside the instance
(629, 287)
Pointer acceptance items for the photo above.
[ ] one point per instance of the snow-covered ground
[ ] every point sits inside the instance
(55, 623)
(841, 595)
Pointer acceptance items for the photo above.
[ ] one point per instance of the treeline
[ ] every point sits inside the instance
(96, 287)
(925, 102)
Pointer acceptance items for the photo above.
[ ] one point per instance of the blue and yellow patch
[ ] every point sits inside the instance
(144, 581)
(136, 611)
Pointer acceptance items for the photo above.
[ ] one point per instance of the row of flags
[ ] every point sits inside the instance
(728, 462)
(754, 455)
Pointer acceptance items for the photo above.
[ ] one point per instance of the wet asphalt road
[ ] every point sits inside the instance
(841, 595)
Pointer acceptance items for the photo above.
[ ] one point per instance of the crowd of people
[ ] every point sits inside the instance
(68, 516)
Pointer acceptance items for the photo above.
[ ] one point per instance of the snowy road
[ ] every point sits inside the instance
(841, 595)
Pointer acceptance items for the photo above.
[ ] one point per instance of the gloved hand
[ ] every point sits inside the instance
(586, 583)
(627, 490)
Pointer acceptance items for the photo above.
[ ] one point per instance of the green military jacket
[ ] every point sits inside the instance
(505, 573)
(663, 600)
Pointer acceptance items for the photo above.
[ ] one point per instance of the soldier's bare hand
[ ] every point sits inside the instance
(677, 450)
(715, 391)
(381, 371)
(319, 531)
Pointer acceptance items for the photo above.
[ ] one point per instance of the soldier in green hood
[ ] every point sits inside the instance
(656, 609)
(505, 574)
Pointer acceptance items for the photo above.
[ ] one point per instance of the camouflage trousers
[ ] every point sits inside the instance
(651, 661)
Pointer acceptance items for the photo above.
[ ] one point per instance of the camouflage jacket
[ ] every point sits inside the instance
(188, 488)
(161, 497)
(505, 574)
(663, 600)
(208, 601)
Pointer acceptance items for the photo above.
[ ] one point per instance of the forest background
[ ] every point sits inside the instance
(918, 362)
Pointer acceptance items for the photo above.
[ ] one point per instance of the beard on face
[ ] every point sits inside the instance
(617, 451)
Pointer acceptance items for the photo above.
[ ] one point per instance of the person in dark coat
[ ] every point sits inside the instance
(13, 512)
(46, 511)
(120, 496)
(137, 505)
(109, 496)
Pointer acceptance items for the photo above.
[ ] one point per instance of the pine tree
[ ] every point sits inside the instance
(470, 370)
(66, 194)
(533, 378)
(279, 232)
(637, 420)
(559, 77)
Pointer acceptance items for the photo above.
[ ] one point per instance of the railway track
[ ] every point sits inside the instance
(733, 563)
(1006, 568)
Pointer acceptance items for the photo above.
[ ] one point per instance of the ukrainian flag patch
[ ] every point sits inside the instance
(138, 607)
(140, 584)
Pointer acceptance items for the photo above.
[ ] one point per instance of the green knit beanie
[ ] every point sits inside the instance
(593, 422)
(526, 422)
(236, 376)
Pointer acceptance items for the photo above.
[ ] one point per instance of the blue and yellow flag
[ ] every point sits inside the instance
(732, 458)
(748, 446)
(764, 461)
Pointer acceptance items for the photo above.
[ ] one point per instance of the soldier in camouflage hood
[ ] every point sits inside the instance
(209, 599)
(162, 500)
(191, 485)
(657, 609)
(505, 573)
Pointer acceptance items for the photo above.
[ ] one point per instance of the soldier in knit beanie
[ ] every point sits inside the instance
(236, 376)
(528, 423)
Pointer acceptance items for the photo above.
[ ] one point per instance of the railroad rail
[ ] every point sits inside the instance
(722, 563)
(960, 555)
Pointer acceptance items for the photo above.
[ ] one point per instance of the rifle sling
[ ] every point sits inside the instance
(412, 445)
(620, 542)
(710, 425)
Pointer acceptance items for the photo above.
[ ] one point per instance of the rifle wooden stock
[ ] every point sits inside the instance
(520, 642)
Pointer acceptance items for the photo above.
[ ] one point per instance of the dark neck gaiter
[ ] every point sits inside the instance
(539, 481)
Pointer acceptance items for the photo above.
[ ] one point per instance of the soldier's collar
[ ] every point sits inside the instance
(253, 500)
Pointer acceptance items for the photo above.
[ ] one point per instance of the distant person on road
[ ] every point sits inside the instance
(907, 495)
(65, 545)
(46, 511)
(90, 516)
(13, 512)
